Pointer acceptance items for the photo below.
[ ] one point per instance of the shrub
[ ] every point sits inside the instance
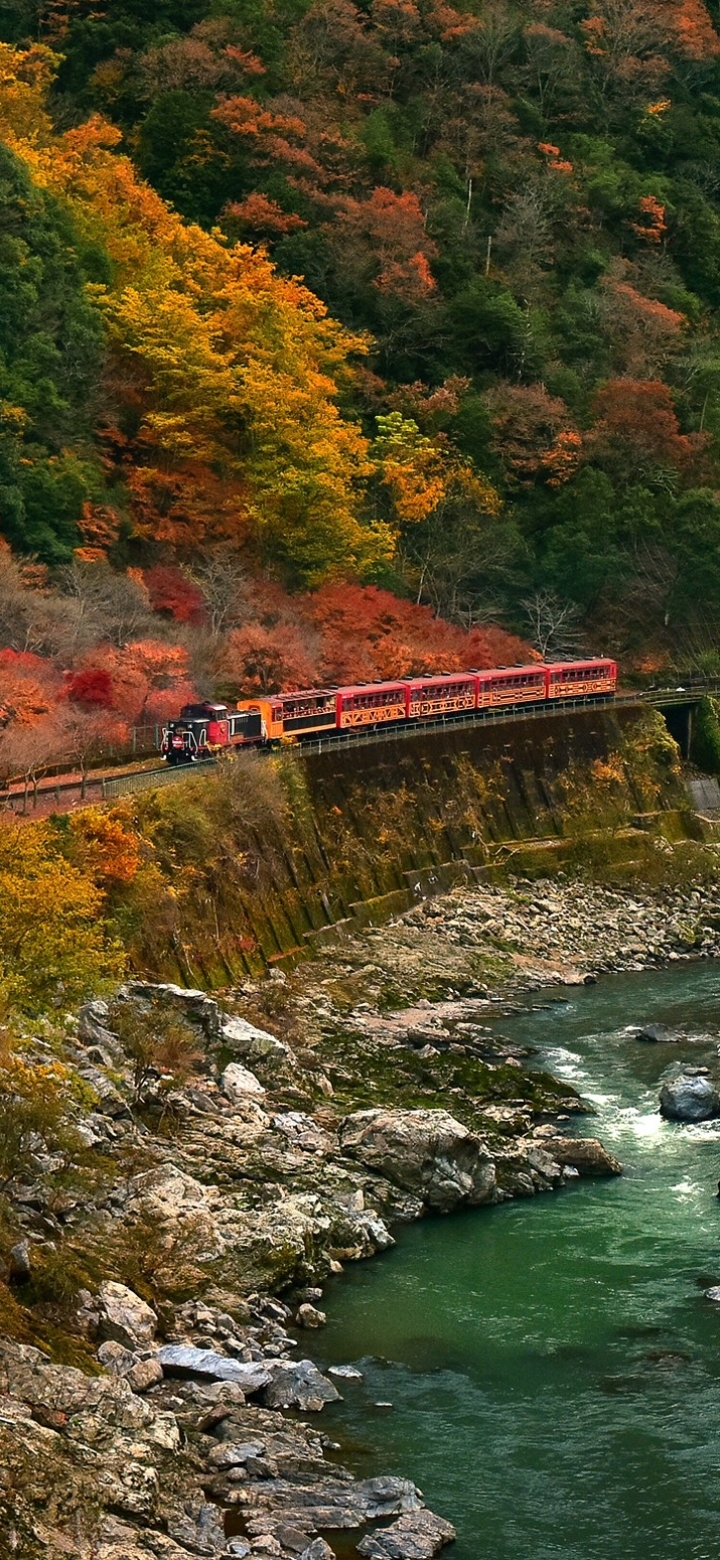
(34, 1102)
(156, 1043)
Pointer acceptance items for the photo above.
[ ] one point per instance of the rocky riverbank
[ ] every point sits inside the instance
(164, 1246)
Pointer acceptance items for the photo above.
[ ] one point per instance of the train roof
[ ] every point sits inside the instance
(397, 685)
(512, 671)
(583, 660)
(301, 693)
(438, 677)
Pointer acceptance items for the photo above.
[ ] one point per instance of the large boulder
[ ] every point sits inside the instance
(691, 1096)
(239, 1084)
(654, 1033)
(179, 1359)
(423, 1151)
(298, 1384)
(253, 1044)
(587, 1155)
(417, 1535)
(124, 1317)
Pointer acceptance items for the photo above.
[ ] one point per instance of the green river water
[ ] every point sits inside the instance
(553, 1365)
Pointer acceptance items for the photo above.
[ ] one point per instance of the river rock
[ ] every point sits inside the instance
(124, 1317)
(653, 1033)
(234, 1454)
(587, 1155)
(238, 1083)
(318, 1550)
(298, 1384)
(424, 1151)
(309, 1316)
(180, 1359)
(345, 1372)
(418, 1535)
(691, 1096)
(328, 1504)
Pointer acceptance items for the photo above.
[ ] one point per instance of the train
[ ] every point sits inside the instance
(208, 730)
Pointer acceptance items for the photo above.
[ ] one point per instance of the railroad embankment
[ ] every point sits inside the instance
(267, 858)
(172, 1163)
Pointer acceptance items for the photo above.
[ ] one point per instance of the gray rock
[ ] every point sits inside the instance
(196, 1007)
(309, 1316)
(239, 1084)
(255, 1045)
(587, 1155)
(424, 1151)
(690, 1097)
(318, 1550)
(713, 1294)
(234, 1454)
(124, 1317)
(179, 1359)
(653, 1033)
(345, 1372)
(94, 1026)
(418, 1535)
(19, 1262)
(199, 1528)
(298, 1384)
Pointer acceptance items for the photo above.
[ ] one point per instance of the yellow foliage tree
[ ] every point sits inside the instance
(235, 368)
(52, 938)
(422, 472)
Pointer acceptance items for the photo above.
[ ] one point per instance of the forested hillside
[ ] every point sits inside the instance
(303, 304)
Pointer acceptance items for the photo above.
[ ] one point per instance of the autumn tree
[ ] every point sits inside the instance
(534, 435)
(52, 939)
(636, 429)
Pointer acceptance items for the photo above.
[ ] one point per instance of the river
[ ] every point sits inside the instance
(553, 1365)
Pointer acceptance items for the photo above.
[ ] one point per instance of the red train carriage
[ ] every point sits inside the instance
(446, 695)
(512, 685)
(581, 679)
(371, 704)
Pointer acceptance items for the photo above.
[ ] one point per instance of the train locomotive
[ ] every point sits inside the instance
(205, 730)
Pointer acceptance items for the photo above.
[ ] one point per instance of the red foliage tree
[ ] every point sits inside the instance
(173, 594)
(385, 236)
(91, 688)
(149, 679)
(367, 633)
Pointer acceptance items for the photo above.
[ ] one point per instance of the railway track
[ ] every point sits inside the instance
(64, 794)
